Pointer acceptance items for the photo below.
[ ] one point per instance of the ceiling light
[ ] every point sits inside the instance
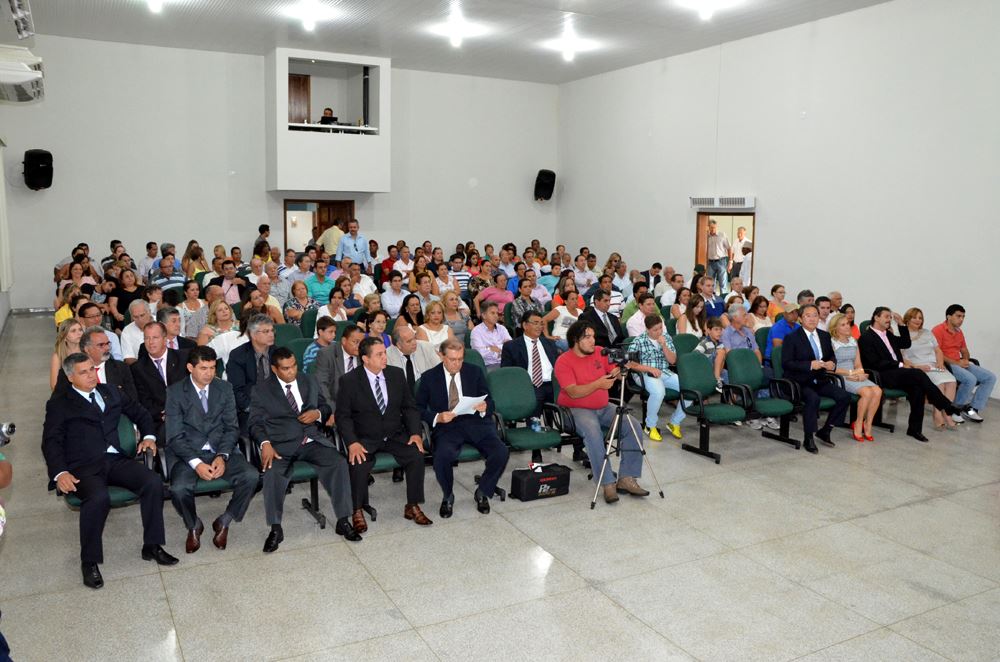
(311, 12)
(569, 44)
(707, 8)
(155, 6)
(456, 28)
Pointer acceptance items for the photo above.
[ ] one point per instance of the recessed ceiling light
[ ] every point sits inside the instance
(569, 44)
(311, 12)
(707, 8)
(456, 28)
(155, 6)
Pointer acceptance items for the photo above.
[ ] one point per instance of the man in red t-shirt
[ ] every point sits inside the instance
(951, 340)
(585, 377)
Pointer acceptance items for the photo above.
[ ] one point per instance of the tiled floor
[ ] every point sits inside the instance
(883, 551)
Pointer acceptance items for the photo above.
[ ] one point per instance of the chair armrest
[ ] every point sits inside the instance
(147, 458)
(975, 361)
(740, 395)
(785, 389)
(559, 418)
(428, 442)
(834, 377)
(697, 403)
(501, 426)
(874, 376)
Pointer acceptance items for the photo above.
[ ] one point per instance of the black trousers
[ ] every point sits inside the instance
(408, 457)
(241, 475)
(331, 472)
(543, 394)
(918, 387)
(92, 490)
(448, 440)
(811, 394)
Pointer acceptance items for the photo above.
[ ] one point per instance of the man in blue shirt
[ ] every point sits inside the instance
(355, 246)
(782, 328)
(715, 307)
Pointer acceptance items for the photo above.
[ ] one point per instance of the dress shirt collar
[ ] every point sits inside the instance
(200, 388)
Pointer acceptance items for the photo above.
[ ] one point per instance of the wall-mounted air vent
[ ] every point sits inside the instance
(724, 202)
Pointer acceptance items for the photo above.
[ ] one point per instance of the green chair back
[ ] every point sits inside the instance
(761, 336)
(298, 347)
(671, 323)
(340, 329)
(284, 334)
(513, 393)
(509, 321)
(695, 372)
(776, 363)
(237, 309)
(548, 307)
(128, 318)
(308, 323)
(685, 343)
(200, 278)
(864, 326)
(126, 436)
(744, 368)
(391, 324)
(476, 359)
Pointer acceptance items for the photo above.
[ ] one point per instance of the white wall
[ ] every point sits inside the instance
(870, 139)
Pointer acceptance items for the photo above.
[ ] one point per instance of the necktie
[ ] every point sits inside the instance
(203, 396)
(93, 401)
(607, 323)
(536, 365)
(452, 394)
(295, 407)
(98, 375)
(350, 363)
(411, 377)
(159, 369)
(261, 368)
(379, 398)
(172, 343)
(815, 346)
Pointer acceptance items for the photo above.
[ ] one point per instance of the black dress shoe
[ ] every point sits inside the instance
(91, 575)
(810, 445)
(345, 529)
(447, 507)
(397, 475)
(823, 435)
(274, 538)
(916, 435)
(157, 553)
(482, 502)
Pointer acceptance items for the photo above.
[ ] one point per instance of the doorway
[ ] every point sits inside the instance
(729, 223)
(305, 220)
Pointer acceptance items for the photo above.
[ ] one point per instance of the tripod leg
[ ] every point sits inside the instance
(608, 446)
(642, 449)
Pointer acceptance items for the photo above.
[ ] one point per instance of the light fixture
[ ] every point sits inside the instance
(707, 8)
(155, 6)
(311, 12)
(456, 28)
(569, 44)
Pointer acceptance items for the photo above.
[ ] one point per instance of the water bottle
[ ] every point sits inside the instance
(536, 424)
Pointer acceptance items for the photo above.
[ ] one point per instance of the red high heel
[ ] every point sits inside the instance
(868, 436)
(857, 437)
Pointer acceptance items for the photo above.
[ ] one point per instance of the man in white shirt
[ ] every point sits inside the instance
(636, 325)
(146, 263)
(404, 265)
(674, 285)
(281, 289)
(506, 265)
(825, 307)
(583, 276)
(736, 266)
(301, 270)
(256, 270)
(132, 337)
(361, 284)
(621, 279)
(414, 358)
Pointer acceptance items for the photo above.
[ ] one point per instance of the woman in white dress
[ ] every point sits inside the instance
(845, 349)
(434, 330)
(335, 309)
(694, 320)
(680, 303)
(924, 354)
(562, 317)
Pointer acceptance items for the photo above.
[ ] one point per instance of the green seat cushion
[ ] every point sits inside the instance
(215, 485)
(670, 395)
(119, 497)
(894, 394)
(774, 407)
(384, 462)
(526, 439)
(723, 413)
(826, 403)
(468, 453)
(302, 471)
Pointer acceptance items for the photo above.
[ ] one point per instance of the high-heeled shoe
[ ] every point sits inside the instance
(857, 437)
(868, 436)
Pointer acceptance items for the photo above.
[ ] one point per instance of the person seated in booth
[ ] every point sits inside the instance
(534, 353)
(975, 383)
(488, 336)
(656, 355)
(83, 456)
(440, 389)
(202, 428)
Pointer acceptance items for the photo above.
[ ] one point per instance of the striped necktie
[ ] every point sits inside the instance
(536, 364)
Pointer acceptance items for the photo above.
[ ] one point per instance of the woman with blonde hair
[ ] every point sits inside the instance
(220, 320)
(925, 354)
(845, 349)
(67, 342)
(434, 330)
(456, 316)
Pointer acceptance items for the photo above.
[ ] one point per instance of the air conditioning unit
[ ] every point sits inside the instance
(731, 202)
(20, 75)
(20, 13)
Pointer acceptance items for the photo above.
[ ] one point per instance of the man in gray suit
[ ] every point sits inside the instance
(286, 414)
(333, 361)
(201, 443)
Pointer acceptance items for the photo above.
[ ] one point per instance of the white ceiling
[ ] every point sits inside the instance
(630, 31)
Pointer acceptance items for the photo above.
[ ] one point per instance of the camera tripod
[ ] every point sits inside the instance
(613, 442)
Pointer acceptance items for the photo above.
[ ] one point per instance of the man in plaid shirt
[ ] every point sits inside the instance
(656, 354)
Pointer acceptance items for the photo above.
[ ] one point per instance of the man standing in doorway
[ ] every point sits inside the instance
(737, 256)
(719, 252)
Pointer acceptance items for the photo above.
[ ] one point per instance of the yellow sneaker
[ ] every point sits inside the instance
(675, 430)
(654, 434)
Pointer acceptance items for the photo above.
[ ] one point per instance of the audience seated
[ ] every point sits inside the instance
(710, 346)
(336, 360)
(67, 342)
(534, 353)
(693, 320)
(410, 355)
(606, 326)
(489, 336)
(250, 364)
(781, 328)
(298, 303)
(132, 334)
(925, 354)
(156, 368)
(434, 330)
(636, 325)
(856, 382)
(326, 333)
(562, 317)
(525, 301)
(656, 355)
(975, 382)
(456, 316)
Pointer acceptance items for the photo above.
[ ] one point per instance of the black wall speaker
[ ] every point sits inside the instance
(544, 184)
(38, 169)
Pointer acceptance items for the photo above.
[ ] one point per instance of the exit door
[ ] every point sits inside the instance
(729, 224)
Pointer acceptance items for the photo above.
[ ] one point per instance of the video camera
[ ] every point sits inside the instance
(619, 356)
(6, 432)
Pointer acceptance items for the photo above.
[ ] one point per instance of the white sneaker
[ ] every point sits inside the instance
(755, 424)
(772, 423)
(973, 415)
(957, 418)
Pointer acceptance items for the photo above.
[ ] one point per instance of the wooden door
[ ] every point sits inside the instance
(299, 105)
(701, 240)
(334, 211)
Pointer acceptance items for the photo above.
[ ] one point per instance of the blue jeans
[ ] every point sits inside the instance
(717, 271)
(588, 424)
(657, 387)
(967, 380)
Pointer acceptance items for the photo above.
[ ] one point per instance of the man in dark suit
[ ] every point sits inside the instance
(535, 353)
(806, 356)
(202, 430)
(153, 371)
(83, 455)
(439, 393)
(881, 350)
(234, 288)
(376, 413)
(250, 364)
(652, 276)
(337, 359)
(286, 418)
(95, 344)
(170, 318)
(607, 328)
